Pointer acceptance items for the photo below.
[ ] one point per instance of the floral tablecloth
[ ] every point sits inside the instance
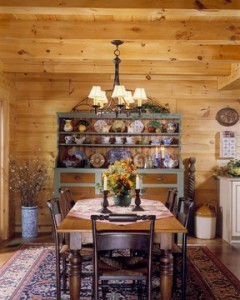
(83, 209)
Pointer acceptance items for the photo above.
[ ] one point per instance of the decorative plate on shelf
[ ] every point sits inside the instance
(82, 125)
(136, 126)
(74, 158)
(117, 154)
(139, 160)
(100, 125)
(97, 160)
(118, 126)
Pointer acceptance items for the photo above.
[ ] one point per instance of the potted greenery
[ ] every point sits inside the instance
(28, 178)
(232, 168)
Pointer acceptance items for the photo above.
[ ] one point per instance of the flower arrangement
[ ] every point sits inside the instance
(28, 177)
(121, 177)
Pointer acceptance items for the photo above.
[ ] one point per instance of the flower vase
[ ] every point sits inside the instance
(29, 222)
(123, 200)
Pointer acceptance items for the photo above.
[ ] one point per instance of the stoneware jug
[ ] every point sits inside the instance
(68, 125)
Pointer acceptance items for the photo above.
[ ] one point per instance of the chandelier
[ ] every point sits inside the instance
(118, 99)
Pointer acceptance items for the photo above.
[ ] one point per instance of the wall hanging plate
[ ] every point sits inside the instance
(118, 126)
(227, 116)
(97, 160)
(117, 154)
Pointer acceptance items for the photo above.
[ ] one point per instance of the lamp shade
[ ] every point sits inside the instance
(128, 97)
(119, 91)
(139, 94)
(102, 99)
(95, 92)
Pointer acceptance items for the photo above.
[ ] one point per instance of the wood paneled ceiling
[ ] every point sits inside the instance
(180, 39)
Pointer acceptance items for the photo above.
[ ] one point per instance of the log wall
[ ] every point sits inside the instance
(40, 96)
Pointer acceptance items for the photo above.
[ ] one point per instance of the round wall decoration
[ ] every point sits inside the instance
(227, 116)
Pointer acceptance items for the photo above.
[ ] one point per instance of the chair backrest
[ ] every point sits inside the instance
(184, 211)
(171, 199)
(68, 199)
(56, 214)
(122, 239)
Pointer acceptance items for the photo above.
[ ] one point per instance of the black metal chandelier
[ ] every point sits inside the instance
(117, 99)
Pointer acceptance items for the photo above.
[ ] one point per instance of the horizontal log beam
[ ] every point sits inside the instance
(109, 7)
(195, 32)
(147, 68)
(91, 49)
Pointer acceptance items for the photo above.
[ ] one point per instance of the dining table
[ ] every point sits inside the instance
(78, 224)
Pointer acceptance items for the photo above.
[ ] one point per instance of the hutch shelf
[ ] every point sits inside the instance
(88, 143)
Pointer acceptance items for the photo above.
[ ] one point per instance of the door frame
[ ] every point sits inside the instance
(4, 169)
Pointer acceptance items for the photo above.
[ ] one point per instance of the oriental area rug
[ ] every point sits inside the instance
(30, 274)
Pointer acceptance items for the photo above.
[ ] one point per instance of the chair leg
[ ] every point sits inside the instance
(58, 274)
(184, 266)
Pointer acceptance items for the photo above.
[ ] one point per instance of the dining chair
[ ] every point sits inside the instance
(171, 199)
(68, 199)
(61, 247)
(68, 204)
(137, 269)
(184, 211)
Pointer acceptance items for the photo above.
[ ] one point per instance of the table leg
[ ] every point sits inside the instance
(75, 274)
(166, 274)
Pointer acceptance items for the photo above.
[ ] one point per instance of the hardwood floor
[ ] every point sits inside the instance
(228, 254)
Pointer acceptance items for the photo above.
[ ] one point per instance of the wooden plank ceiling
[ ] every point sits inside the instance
(162, 38)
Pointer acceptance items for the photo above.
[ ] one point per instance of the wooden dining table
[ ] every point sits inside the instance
(78, 224)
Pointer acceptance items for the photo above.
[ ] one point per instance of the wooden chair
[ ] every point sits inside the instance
(134, 268)
(171, 199)
(61, 248)
(184, 211)
(67, 199)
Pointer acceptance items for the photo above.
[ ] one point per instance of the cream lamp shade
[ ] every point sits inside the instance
(139, 95)
(102, 99)
(94, 93)
(119, 92)
(128, 98)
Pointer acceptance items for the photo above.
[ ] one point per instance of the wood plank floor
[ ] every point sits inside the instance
(228, 254)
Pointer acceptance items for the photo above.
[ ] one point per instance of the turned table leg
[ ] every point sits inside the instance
(166, 274)
(75, 265)
(75, 274)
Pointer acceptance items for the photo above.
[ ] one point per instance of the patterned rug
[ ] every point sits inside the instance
(30, 274)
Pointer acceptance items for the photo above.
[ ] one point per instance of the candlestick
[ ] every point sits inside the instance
(137, 182)
(137, 206)
(105, 187)
(104, 209)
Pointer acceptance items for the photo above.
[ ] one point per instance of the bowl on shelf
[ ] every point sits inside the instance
(70, 163)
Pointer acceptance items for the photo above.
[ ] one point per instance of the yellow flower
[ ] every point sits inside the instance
(121, 176)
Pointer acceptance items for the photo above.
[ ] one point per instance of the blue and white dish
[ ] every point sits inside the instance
(117, 154)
